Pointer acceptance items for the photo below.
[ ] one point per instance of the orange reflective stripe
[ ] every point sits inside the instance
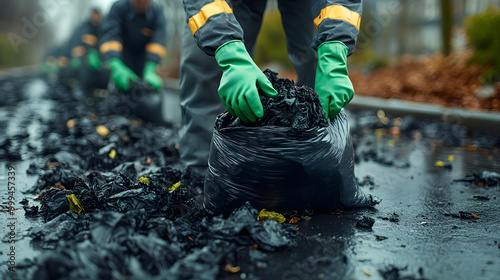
(78, 51)
(89, 39)
(157, 49)
(214, 8)
(111, 46)
(338, 12)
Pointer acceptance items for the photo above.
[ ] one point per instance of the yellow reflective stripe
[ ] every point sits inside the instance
(157, 49)
(78, 51)
(111, 46)
(89, 39)
(211, 9)
(338, 12)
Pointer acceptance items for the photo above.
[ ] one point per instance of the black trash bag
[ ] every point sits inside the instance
(283, 167)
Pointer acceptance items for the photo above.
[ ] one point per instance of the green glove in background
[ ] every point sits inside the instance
(332, 81)
(75, 63)
(121, 74)
(50, 67)
(93, 59)
(240, 78)
(151, 77)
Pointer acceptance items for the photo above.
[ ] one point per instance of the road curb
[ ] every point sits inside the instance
(488, 122)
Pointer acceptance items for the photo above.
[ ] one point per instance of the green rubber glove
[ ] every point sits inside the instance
(121, 74)
(93, 59)
(239, 82)
(151, 77)
(75, 63)
(332, 81)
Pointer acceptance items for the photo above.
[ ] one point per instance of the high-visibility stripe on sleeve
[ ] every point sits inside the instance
(111, 46)
(89, 39)
(211, 9)
(78, 51)
(338, 12)
(156, 49)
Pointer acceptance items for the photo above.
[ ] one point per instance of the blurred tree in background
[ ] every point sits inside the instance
(484, 37)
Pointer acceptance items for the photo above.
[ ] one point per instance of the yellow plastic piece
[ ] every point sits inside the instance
(266, 215)
(439, 163)
(144, 180)
(74, 204)
(451, 157)
(174, 186)
(112, 154)
(70, 123)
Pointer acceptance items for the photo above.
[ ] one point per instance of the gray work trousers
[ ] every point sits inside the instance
(200, 75)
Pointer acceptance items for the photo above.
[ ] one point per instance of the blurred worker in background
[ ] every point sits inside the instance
(228, 32)
(134, 42)
(85, 58)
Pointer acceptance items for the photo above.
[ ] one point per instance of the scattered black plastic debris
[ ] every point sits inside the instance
(463, 215)
(373, 155)
(393, 218)
(380, 237)
(485, 178)
(31, 211)
(482, 197)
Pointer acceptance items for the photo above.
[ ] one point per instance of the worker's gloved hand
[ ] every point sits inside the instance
(151, 77)
(75, 63)
(332, 81)
(239, 82)
(121, 74)
(93, 59)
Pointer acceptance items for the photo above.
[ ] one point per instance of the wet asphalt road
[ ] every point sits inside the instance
(417, 233)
